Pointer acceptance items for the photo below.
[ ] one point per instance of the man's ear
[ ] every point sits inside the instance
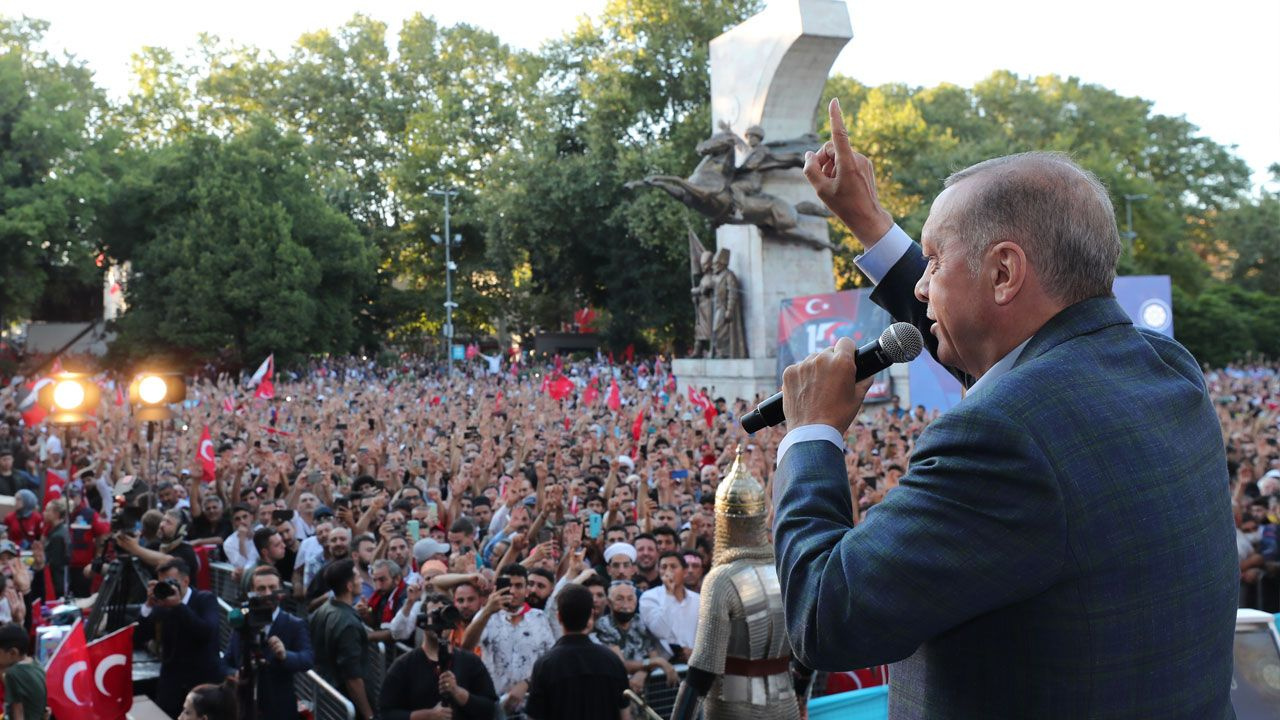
(1008, 271)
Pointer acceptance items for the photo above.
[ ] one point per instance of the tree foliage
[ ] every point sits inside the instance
(288, 203)
(235, 252)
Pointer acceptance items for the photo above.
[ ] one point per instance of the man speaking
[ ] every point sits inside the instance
(1062, 545)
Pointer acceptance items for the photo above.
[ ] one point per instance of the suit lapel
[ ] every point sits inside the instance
(1086, 316)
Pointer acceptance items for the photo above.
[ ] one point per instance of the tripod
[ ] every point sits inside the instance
(120, 598)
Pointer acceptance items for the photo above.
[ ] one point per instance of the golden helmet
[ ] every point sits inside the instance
(740, 494)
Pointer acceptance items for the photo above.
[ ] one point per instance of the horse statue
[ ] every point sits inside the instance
(729, 194)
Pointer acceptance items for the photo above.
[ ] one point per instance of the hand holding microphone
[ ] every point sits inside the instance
(827, 388)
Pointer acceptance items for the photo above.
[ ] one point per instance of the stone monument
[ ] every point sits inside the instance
(767, 77)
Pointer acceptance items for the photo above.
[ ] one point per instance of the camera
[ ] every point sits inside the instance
(166, 589)
(445, 617)
(124, 517)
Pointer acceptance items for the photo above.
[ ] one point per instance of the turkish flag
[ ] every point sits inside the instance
(560, 387)
(32, 413)
(591, 394)
(204, 456)
(615, 397)
(262, 378)
(709, 414)
(698, 399)
(228, 405)
(119, 395)
(497, 402)
(630, 353)
(67, 679)
(54, 480)
(111, 658)
(559, 364)
(472, 351)
(637, 428)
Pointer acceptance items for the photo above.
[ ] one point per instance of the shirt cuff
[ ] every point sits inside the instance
(805, 433)
(880, 259)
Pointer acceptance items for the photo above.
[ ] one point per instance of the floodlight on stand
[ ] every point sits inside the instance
(152, 393)
(70, 399)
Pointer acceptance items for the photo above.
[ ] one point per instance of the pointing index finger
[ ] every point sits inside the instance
(839, 135)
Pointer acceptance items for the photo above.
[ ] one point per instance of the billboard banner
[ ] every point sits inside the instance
(811, 323)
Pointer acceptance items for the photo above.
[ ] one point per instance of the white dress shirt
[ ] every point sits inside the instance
(243, 560)
(671, 621)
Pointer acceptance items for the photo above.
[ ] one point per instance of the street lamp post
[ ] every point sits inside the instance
(448, 241)
(1129, 234)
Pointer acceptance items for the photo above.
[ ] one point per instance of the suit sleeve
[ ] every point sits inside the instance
(298, 656)
(977, 523)
(197, 621)
(896, 293)
(231, 659)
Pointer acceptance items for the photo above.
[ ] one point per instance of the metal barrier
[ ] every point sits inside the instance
(658, 695)
(318, 696)
(376, 659)
(224, 624)
(224, 582)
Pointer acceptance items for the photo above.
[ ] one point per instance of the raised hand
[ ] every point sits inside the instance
(846, 182)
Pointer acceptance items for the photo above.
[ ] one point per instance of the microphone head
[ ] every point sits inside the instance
(901, 342)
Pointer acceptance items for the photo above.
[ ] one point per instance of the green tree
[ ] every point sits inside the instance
(51, 167)
(235, 252)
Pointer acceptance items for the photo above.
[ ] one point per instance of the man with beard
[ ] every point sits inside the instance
(399, 552)
(541, 584)
(308, 550)
(388, 597)
(339, 548)
(271, 549)
(286, 564)
(173, 544)
(287, 645)
(646, 561)
(462, 689)
(210, 525)
(622, 630)
(515, 641)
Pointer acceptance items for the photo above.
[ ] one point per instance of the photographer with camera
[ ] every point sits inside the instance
(278, 647)
(433, 682)
(172, 544)
(183, 621)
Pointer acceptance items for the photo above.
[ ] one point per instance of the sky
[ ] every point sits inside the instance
(1217, 64)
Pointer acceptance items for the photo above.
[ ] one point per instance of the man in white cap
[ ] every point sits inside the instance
(430, 549)
(620, 561)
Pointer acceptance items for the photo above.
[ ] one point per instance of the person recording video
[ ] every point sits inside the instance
(183, 621)
(462, 687)
(282, 649)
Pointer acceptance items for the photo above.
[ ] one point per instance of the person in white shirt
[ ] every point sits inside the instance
(238, 547)
(671, 610)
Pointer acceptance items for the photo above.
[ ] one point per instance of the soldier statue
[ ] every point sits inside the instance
(728, 331)
(741, 660)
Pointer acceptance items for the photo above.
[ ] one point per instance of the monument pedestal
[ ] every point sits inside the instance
(728, 378)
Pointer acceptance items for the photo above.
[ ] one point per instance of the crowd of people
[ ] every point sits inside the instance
(471, 516)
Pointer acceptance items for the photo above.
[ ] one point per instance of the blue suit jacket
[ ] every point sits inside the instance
(276, 696)
(1062, 545)
(188, 648)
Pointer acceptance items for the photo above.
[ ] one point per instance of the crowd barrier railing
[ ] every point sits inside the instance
(321, 698)
(660, 696)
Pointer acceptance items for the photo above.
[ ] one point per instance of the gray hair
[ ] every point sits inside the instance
(1058, 212)
(383, 563)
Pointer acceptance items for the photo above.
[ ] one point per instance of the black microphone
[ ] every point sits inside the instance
(900, 342)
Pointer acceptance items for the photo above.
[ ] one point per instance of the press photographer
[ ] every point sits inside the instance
(183, 622)
(267, 650)
(462, 687)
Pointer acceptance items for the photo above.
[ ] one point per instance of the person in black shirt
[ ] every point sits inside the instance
(577, 678)
(462, 687)
(210, 524)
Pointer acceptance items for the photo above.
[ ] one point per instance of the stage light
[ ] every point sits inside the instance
(70, 399)
(152, 389)
(151, 394)
(68, 395)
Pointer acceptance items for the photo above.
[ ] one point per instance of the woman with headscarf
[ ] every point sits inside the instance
(25, 524)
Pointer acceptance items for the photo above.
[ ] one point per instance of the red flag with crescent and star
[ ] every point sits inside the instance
(205, 456)
(262, 379)
(111, 658)
(615, 396)
(68, 682)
